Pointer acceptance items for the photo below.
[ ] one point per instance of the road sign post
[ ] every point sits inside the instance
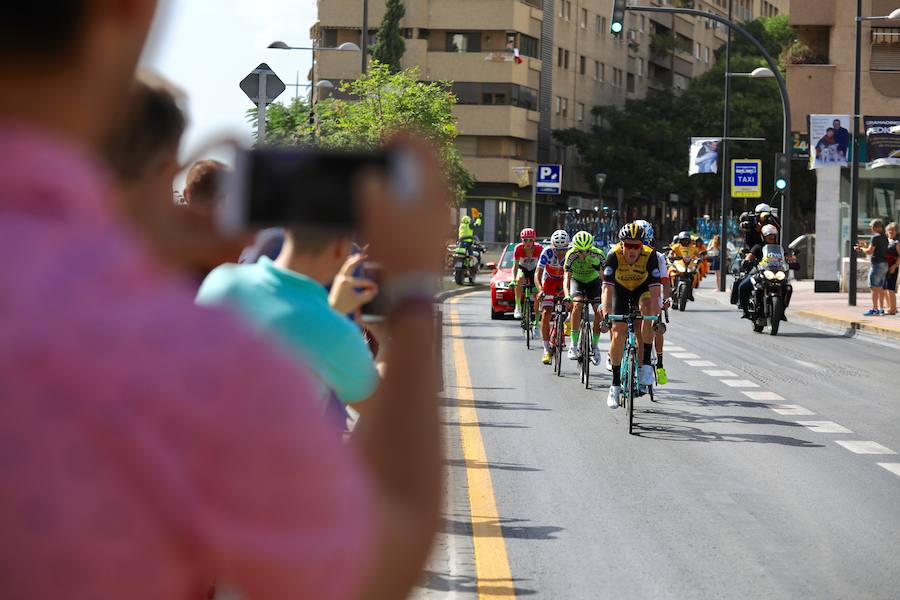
(262, 86)
(746, 178)
(547, 180)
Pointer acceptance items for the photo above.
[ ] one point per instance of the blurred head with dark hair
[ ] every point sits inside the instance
(204, 184)
(65, 65)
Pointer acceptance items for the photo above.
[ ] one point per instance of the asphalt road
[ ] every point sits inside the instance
(758, 474)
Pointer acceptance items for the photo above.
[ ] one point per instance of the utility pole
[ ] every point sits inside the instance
(364, 41)
(854, 172)
(726, 163)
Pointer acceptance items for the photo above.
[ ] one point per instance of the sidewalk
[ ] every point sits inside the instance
(830, 310)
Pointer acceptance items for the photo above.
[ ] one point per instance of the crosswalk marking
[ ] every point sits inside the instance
(720, 373)
(892, 467)
(700, 363)
(683, 355)
(864, 447)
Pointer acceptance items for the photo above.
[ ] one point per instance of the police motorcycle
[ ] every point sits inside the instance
(466, 261)
(771, 290)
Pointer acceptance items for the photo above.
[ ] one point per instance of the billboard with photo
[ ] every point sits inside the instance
(704, 155)
(829, 141)
(883, 146)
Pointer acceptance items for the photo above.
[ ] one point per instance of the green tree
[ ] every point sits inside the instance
(286, 124)
(389, 45)
(643, 147)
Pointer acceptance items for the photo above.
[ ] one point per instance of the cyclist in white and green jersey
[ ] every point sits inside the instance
(584, 263)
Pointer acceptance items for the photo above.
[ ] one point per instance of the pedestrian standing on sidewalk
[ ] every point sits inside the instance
(714, 251)
(893, 261)
(876, 249)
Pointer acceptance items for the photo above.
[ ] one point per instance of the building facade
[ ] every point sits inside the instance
(523, 68)
(824, 84)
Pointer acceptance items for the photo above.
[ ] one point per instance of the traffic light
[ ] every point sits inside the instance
(782, 171)
(617, 22)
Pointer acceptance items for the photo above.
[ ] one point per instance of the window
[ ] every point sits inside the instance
(643, 23)
(503, 94)
(565, 108)
(631, 86)
(562, 8)
(579, 112)
(640, 67)
(407, 33)
(463, 41)
(495, 94)
(582, 65)
(568, 10)
(697, 48)
(558, 105)
(598, 24)
(559, 57)
(566, 61)
(598, 70)
(329, 38)
(424, 34)
(584, 18)
(706, 54)
(529, 46)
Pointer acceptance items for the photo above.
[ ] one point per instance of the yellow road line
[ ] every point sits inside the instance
(491, 561)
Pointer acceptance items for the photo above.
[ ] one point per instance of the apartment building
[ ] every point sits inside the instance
(824, 84)
(568, 63)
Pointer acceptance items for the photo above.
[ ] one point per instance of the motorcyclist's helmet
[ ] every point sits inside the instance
(684, 237)
(528, 234)
(465, 220)
(632, 231)
(583, 241)
(769, 230)
(560, 239)
(762, 207)
(648, 229)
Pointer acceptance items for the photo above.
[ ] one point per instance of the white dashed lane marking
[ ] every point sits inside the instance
(675, 349)
(739, 383)
(715, 373)
(699, 363)
(892, 467)
(860, 447)
(792, 410)
(824, 427)
(763, 396)
(684, 355)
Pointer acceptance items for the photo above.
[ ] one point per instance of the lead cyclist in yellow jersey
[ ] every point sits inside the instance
(631, 280)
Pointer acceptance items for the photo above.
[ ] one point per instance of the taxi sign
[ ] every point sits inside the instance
(746, 178)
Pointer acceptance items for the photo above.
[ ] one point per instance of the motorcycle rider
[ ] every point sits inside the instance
(465, 235)
(683, 250)
(549, 278)
(752, 224)
(751, 260)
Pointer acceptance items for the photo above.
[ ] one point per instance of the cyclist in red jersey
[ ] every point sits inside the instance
(525, 262)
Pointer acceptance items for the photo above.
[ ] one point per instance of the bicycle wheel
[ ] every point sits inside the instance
(586, 352)
(526, 320)
(560, 341)
(633, 382)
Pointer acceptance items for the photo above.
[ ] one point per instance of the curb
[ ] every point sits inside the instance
(821, 321)
(442, 296)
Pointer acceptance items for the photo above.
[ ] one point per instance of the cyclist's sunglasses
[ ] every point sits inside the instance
(632, 245)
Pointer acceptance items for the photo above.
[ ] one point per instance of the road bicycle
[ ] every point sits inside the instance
(528, 318)
(585, 344)
(630, 369)
(558, 332)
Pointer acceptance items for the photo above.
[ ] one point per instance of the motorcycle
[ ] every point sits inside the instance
(466, 263)
(771, 291)
(685, 273)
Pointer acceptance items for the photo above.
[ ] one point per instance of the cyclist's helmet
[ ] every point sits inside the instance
(583, 241)
(769, 230)
(560, 239)
(466, 220)
(762, 207)
(632, 231)
(528, 234)
(684, 237)
(648, 229)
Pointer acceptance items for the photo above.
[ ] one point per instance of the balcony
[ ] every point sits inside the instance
(506, 121)
(811, 89)
(804, 13)
(482, 67)
(493, 170)
(504, 15)
(337, 66)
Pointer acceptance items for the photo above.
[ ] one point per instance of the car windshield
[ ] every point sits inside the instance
(506, 262)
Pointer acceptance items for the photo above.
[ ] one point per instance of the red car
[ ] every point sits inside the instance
(503, 300)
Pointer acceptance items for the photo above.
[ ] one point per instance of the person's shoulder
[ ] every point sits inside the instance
(229, 280)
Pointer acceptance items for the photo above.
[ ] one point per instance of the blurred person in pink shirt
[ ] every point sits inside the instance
(148, 445)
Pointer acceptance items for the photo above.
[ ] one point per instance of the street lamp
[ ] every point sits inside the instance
(326, 86)
(854, 172)
(758, 73)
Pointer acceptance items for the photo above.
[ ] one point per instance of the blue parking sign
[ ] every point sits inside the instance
(746, 178)
(549, 179)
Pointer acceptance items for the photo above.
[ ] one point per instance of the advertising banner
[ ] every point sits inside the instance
(829, 141)
(800, 146)
(704, 155)
(883, 146)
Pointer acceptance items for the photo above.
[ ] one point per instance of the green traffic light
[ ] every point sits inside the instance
(616, 27)
(781, 184)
